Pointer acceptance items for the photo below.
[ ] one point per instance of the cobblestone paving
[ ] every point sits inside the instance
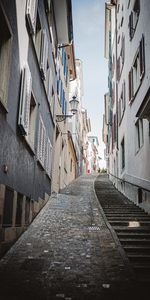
(67, 253)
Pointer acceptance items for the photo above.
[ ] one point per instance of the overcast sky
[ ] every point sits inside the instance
(88, 23)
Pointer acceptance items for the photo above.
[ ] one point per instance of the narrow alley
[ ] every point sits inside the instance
(70, 251)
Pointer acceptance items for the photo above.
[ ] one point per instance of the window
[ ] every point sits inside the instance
(8, 208)
(122, 53)
(19, 208)
(32, 121)
(37, 37)
(122, 154)
(133, 18)
(139, 134)
(52, 29)
(27, 108)
(5, 51)
(114, 131)
(137, 71)
(122, 104)
(31, 13)
(71, 165)
(25, 96)
(118, 68)
(113, 94)
(44, 55)
(27, 210)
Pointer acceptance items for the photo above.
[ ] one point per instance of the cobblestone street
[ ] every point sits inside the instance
(67, 252)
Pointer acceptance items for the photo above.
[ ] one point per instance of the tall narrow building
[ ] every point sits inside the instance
(127, 108)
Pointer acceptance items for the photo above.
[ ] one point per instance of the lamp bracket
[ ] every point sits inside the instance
(61, 118)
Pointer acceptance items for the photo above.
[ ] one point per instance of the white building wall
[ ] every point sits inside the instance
(137, 163)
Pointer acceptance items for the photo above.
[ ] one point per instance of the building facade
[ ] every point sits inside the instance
(35, 72)
(127, 135)
(92, 154)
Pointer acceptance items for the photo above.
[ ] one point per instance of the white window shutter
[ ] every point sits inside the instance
(43, 145)
(25, 98)
(31, 13)
(48, 161)
(39, 156)
(41, 142)
(44, 54)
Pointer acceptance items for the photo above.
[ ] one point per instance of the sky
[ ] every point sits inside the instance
(88, 26)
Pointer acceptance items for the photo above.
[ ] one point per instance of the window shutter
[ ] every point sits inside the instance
(124, 96)
(130, 86)
(64, 63)
(31, 13)
(41, 141)
(66, 74)
(131, 29)
(25, 97)
(65, 107)
(44, 54)
(119, 111)
(118, 68)
(142, 57)
(48, 161)
(63, 102)
(43, 144)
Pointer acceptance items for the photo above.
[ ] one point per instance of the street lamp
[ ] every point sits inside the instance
(73, 108)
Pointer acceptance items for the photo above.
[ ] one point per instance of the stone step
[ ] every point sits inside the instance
(128, 218)
(134, 242)
(137, 249)
(123, 208)
(130, 214)
(132, 229)
(136, 257)
(134, 235)
(126, 223)
(142, 271)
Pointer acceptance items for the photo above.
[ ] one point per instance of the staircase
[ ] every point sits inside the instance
(132, 226)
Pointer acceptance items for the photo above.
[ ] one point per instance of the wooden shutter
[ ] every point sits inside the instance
(124, 96)
(48, 161)
(44, 54)
(63, 102)
(39, 151)
(131, 29)
(142, 57)
(31, 13)
(118, 68)
(41, 141)
(25, 98)
(119, 111)
(131, 91)
(43, 144)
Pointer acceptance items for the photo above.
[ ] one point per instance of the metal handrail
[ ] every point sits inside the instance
(138, 186)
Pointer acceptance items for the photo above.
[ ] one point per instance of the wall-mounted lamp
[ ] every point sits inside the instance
(73, 107)
(59, 46)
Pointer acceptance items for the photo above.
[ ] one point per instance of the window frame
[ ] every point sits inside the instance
(4, 85)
